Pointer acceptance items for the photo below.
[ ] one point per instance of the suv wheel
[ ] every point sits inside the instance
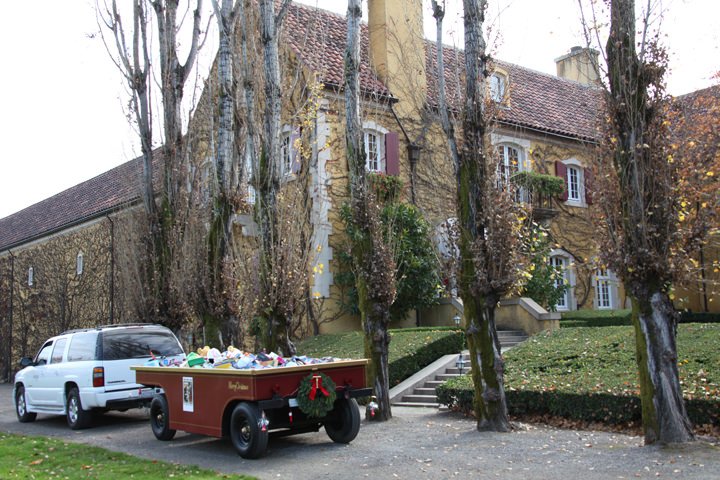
(77, 418)
(21, 407)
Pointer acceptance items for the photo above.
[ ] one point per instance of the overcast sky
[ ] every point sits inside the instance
(63, 100)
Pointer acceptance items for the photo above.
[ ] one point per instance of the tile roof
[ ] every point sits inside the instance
(85, 201)
(318, 37)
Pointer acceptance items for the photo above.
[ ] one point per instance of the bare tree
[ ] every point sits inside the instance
(488, 222)
(372, 258)
(641, 211)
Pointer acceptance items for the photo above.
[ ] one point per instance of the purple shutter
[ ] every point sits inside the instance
(561, 171)
(392, 154)
(294, 155)
(588, 186)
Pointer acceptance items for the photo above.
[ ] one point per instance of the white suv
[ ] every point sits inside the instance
(80, 371)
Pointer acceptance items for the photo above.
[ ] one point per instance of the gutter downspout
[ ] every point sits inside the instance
(112, 269)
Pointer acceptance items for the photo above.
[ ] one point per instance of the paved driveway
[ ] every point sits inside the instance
(416, 444)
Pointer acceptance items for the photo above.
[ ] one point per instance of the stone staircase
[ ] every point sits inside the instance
(419, 390)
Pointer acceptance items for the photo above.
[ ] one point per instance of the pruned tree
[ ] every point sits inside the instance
(372, 259)
(641, 208)
(488, 221)
(160, 287)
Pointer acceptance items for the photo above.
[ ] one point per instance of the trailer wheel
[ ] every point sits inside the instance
(246, 432)
(343, 422)
(160, 418)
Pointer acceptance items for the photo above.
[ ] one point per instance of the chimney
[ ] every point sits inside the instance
(581, 65)
(397, 51)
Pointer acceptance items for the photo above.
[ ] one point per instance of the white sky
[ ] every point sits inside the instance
(62, 99)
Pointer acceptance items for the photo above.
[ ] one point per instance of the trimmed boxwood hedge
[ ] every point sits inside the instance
(589, 374)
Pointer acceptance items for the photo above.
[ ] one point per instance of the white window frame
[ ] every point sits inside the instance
(374, 129)
(249, 170)
(79, 263)
(605, 289)
(31, 277)
(498, 87)
(504, 168)
(567, 263)
(575, 183)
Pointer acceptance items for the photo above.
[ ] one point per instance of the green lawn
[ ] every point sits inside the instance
(45, 458)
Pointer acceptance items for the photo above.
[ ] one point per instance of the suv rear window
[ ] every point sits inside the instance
(123, 344)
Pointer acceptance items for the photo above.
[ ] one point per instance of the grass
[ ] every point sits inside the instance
(590, 374)
(602, 360)
(29, 457)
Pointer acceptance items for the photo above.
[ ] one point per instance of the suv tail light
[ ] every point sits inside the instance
(98, 377)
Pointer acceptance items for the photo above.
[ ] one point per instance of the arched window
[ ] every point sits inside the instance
(79, 263)
(31, 276)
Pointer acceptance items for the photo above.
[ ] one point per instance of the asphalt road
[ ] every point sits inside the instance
(416, 444)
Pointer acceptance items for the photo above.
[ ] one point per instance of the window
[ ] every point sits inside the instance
(604, 289)
(82, 347)
(508, 163)
(31, 276)
(249, 173)
(561, 263)
(374, 158)
(285, 155)
(44, 354)
(79, 263)
(58, 350)
(578, 182)
(573, 184)
(498, 82)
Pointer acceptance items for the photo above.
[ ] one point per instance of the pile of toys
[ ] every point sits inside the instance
(207, 357)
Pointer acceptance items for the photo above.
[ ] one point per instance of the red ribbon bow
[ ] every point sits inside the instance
(318, 385)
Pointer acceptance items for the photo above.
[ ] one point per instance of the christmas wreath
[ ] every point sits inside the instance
(316, 395)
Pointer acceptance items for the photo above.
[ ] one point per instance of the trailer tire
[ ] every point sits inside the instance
(248, 436)
(160, 419)
(343, 422)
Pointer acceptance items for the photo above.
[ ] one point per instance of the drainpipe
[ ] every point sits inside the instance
(112, 269)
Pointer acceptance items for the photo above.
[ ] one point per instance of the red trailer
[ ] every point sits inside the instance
(248, 405)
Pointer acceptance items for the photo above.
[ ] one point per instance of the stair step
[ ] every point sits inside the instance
(433, 383)
(424, 391)
(415, 404)
(456, 371)
(419, 398)
(445, 376)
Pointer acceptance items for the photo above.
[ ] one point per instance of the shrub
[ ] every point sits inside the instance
(590, 374)
(595, 318)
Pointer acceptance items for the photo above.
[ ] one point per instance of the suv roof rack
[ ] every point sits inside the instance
(100, 327)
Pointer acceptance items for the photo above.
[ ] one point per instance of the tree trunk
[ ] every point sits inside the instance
(371, 256)
(645, 227)
(664, 416)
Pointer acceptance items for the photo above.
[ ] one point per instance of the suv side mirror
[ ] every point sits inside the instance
(26, 362)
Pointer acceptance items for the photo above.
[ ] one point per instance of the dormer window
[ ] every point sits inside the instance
(498, 86)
